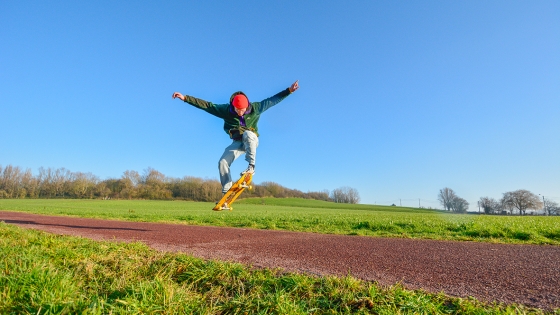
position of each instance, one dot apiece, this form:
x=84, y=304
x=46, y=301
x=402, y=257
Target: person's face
x=240, y=111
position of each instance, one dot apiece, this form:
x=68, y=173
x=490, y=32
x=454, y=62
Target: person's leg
x=231, y=153
x=250, y=144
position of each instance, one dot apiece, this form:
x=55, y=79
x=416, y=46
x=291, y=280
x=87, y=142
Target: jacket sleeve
x=211, y=108
x=264, y=105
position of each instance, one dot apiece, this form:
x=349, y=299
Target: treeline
x=512, y=202
x=151, y=184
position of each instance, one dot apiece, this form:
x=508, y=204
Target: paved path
x=525, y=274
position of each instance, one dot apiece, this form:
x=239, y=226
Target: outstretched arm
x=216, y=110
x=273, y=100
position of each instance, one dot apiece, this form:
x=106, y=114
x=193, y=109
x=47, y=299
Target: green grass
x=42, y=273
x=311, y=216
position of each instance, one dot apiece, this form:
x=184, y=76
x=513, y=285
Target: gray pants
x=248, y=145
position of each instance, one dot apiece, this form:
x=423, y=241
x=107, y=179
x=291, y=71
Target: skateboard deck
x=236, y=189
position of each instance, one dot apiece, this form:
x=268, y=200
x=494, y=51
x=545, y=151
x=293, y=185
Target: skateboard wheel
x=250, y=187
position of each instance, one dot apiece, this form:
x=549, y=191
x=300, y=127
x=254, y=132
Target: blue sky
x=397, y=99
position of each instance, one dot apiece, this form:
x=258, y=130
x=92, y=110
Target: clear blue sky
x=397, y=99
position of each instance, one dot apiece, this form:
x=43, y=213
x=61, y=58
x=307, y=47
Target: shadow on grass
x=22, y=222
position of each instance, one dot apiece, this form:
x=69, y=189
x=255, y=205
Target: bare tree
x=521, y=200
x=154, y=185
x=345, y=195
x=210, y=190
x=83, y=184
x=459, y=205
x=490, y=205
x=551, y=207
x=506, y=204
x=52, y=182
x=102, y=190
x=337, y=195
x=451, y=202
x=61, y=180
x=31, y=184
x=353, y=195
x=129, y=183
x=132, y=177
x=446, y=197
x=10, y=181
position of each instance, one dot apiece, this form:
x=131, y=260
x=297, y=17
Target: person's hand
x=178, y=95
x=294, y=86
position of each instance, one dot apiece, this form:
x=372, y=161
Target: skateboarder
x=240, y=122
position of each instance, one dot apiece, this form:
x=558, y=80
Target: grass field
x=41, y=273
x=311, y=216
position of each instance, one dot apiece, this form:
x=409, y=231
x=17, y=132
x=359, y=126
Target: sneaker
x=250, y=169
x=225, y=206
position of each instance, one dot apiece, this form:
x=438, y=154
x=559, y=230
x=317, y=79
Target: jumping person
x=240, y=122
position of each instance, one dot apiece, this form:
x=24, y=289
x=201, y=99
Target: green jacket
x=234, y=125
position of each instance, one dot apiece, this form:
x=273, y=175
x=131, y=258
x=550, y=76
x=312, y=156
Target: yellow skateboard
x=236, y=189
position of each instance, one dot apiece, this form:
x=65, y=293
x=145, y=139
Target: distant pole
x=478, y=206
x=400, y=202
x=544, y=210
x=419, y=203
